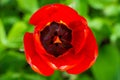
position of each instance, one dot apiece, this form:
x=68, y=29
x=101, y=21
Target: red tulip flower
x=61, y=41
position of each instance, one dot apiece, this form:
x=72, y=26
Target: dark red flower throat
x=56, y=38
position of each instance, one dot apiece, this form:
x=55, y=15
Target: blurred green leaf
x=100, y=28
x=27, y=17
x=116, y=33
x=67, y=2
x=3, y=40
x=112, y=10
x=9, y=21
x=56, y=76
x=34, y=77
x=10, y=75
x=11, y=60
x=117, y=43
x=107, y=63
x=28, y=5
x=3, y=2
x=45, y=2
x=81, y=6
x=83, y=77
x=96, y=23
x=15, y=36
x=97, y=4
x=101, y=4
x=72, y=77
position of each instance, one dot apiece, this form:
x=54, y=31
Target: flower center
x=56, y=38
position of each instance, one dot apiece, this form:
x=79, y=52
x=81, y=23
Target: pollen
x=57, y=40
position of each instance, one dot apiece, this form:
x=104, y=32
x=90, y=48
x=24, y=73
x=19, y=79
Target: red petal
x=89, y=55
x=35, y=61
x=55, y=12
x=79, y=35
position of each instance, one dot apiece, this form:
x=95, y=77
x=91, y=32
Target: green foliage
x=15, y=35
x=103, y=18
x=107, y=64
x=101, y=4
x=3, y=39
x=81, y=6
x=27, y=5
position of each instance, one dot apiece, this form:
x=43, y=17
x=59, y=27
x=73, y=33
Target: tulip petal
x=89, y=54
x=79, y=35
x=35, y=61
x=55, y=12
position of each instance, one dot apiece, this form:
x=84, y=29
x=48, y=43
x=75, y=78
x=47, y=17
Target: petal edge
x=35, y=61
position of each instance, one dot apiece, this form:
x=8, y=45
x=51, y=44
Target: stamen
x=57, y=39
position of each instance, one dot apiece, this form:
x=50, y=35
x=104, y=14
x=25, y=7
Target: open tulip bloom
x=61, y=41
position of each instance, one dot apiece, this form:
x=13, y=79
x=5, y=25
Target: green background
x=103, y=17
